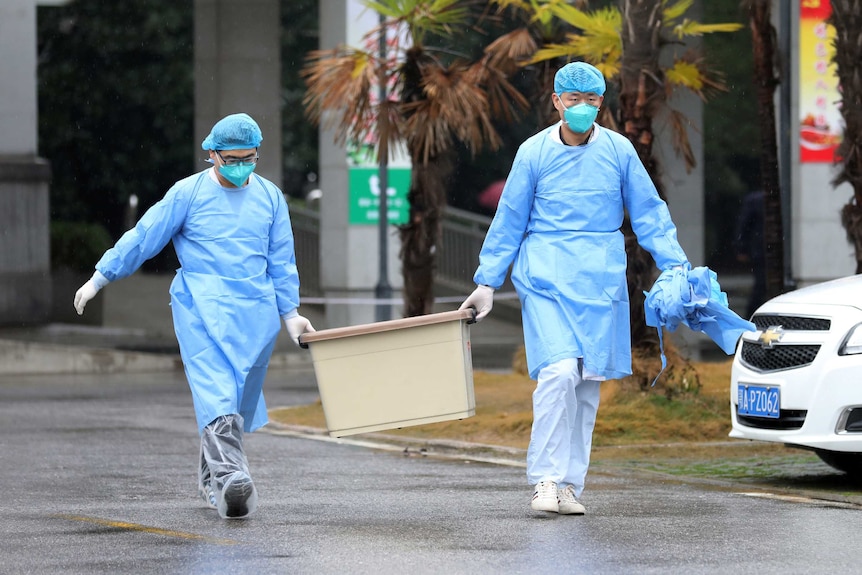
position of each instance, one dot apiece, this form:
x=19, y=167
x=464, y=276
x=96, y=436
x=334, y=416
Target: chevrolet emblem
x=769, y=337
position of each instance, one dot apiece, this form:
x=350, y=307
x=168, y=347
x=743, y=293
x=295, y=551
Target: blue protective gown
x=237, y=277
x=558, y=222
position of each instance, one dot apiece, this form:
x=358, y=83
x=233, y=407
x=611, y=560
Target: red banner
x=821, y=127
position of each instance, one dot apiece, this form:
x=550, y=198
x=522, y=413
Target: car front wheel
x=849, y=463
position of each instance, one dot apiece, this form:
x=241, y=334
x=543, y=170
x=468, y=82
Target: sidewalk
x=137, y=335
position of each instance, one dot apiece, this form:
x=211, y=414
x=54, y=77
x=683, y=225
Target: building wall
x=819, y=247
x=25, y=286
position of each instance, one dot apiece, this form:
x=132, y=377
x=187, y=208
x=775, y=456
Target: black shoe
x=239, y=497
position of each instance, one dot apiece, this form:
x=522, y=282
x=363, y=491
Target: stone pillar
x=238, y=69
x=25, y=276
x=349, y=252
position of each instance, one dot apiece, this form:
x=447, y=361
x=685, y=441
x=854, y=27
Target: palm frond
x=604, y=56
x=679, y=124
x=571, y=15
x=339, y=91
x=516, y=4
x=423, y=17
x=691, y=72
x=689, y=28
x=542, y=12
x=453, y=108
x=685, y=74
x=673, y=11
x=503, y=98
x=552, y=51
x=512, y=48
x=599, y=41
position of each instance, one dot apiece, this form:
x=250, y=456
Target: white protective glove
x=296, y=325
x=482, y=299
x=88, y=291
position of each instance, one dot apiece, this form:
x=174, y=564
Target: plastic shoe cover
x=224, y=464
x=238, y=498
x=545, y=497
x=569, y=504
x=205, y=482
x=208, y=495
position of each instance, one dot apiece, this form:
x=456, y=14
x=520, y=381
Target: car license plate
x=758, y=401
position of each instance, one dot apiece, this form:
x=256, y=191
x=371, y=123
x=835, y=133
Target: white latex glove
x=296, y=326
x=88, y=291
x=482, y=299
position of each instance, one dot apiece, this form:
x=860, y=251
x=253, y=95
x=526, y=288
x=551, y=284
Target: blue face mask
x=580, y=117
x=236, y=174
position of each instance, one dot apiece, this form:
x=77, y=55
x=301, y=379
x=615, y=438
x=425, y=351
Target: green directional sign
x=364, y=190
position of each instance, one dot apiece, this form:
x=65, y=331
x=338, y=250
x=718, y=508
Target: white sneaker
x=568, y=503
x=545, y=497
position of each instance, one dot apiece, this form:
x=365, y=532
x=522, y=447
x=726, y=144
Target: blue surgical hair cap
x=579, y=77
x=234, y=132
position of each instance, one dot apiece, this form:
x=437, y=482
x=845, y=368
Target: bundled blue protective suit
x=558, y=222
x=237, y=277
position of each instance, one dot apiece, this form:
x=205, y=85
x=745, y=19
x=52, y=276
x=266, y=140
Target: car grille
x=787, y=419
x=791, y=322
x=778, y=357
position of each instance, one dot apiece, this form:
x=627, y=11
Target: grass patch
x=626, y=417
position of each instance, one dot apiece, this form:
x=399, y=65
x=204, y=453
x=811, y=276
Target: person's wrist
x=99, y=279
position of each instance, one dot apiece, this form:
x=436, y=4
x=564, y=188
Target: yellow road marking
x=147, y=529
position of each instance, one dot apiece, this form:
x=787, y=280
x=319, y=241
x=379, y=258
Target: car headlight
x=852, y=343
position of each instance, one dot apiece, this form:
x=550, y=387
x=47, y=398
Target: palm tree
x=628, y=43
x=847, y=20
x=436, y=99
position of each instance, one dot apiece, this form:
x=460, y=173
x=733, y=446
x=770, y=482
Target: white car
x=797, y=380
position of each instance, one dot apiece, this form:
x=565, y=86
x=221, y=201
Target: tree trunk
x=421, y=234
x=427, y=200
x=847, y=20
x=641, y=93
x=763, y=41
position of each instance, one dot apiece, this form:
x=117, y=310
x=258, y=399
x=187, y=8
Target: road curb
x=501, y=455
x=29, y=358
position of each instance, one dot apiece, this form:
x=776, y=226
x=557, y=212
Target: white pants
x=564, y=415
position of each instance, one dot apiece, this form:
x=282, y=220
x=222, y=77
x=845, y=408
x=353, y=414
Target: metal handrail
x=462, y=234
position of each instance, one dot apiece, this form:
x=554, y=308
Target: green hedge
x=78, y=245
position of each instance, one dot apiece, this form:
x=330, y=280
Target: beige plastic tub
x=395, y=373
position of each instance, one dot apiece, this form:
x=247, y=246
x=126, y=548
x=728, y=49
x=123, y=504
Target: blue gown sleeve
x=149, y=236
x=281, y=259
x=504, y=237
x=648, y=213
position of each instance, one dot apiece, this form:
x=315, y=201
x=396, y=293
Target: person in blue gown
x=237, y=282
x=558, y=225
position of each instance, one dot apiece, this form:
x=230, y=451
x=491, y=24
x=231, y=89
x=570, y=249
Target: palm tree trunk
x=641, y=92
x=421, y=234
x=847, y=20
x=763, y=41
x=427, y=199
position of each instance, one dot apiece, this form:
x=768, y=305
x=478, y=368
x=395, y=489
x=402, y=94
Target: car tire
x=849, y=463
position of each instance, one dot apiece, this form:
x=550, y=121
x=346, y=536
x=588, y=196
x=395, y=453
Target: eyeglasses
x=247, y=161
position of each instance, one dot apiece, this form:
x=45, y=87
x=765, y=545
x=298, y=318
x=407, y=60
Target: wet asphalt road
x=98, y=476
